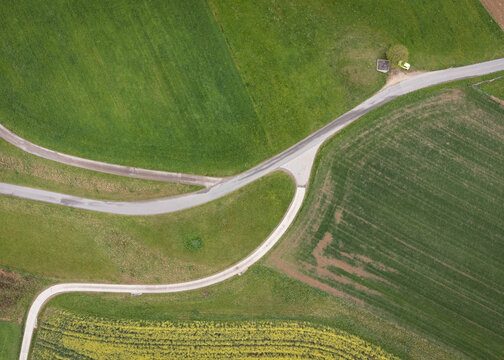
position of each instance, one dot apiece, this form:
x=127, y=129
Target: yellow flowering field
x=65, y=335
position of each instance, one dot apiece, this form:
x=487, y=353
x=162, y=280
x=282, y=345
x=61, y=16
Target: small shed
x=382, y=65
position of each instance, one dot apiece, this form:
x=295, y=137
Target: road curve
x=297, y=160
x=236, y=269
x=226, y=186
x=121, y=170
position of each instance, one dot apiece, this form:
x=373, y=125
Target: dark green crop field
x=405, y=216
x=211, y=88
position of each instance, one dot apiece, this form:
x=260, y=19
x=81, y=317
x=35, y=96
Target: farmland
x=89, y=246
x=405, y=217
x=397, y=252
x=20, y=168
x=211, y=88
x=16, y=293
x=67, y=334
x=259, y=294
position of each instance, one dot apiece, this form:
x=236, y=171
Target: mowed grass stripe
x=412, y=213
x=10, y=335
x=148, y=84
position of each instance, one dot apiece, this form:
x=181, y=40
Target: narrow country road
x=114, y=169
x=228, y=185
x=237, y=269
x=297, y=160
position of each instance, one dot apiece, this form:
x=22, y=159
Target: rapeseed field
x=67, y=335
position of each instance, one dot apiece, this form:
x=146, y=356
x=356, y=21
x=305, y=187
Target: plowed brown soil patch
x=327, y=274
x=290, y=270
x=324, y=261
x=496, y=9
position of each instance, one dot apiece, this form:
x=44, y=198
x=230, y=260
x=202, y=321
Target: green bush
x=396, y=53
x=193, y=242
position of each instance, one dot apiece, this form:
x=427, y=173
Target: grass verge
x=20, y=168
x=404, y=217
x=69, y=244
x=494, y=87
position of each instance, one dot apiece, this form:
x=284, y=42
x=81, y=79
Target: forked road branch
x=228, y=185
x=296, y=160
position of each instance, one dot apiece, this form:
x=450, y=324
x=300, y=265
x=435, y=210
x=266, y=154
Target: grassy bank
x=20, y=168
x=162, y=85
x=69, y=244
x=409, y=219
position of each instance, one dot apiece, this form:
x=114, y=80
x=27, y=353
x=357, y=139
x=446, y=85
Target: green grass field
x=260, y=293
x=148, y=84
x=10, y=340
x=162, y=84
x=20, y=168
x=305, y=62
x=68, y=244
x=405, y=216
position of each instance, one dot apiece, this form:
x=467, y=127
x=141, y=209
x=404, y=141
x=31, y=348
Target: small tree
x=396, y=53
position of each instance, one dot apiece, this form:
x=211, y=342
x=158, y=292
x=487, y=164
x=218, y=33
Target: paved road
x=105, y=167
x=237, y=269
x=297, y=160
x=167, y=205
